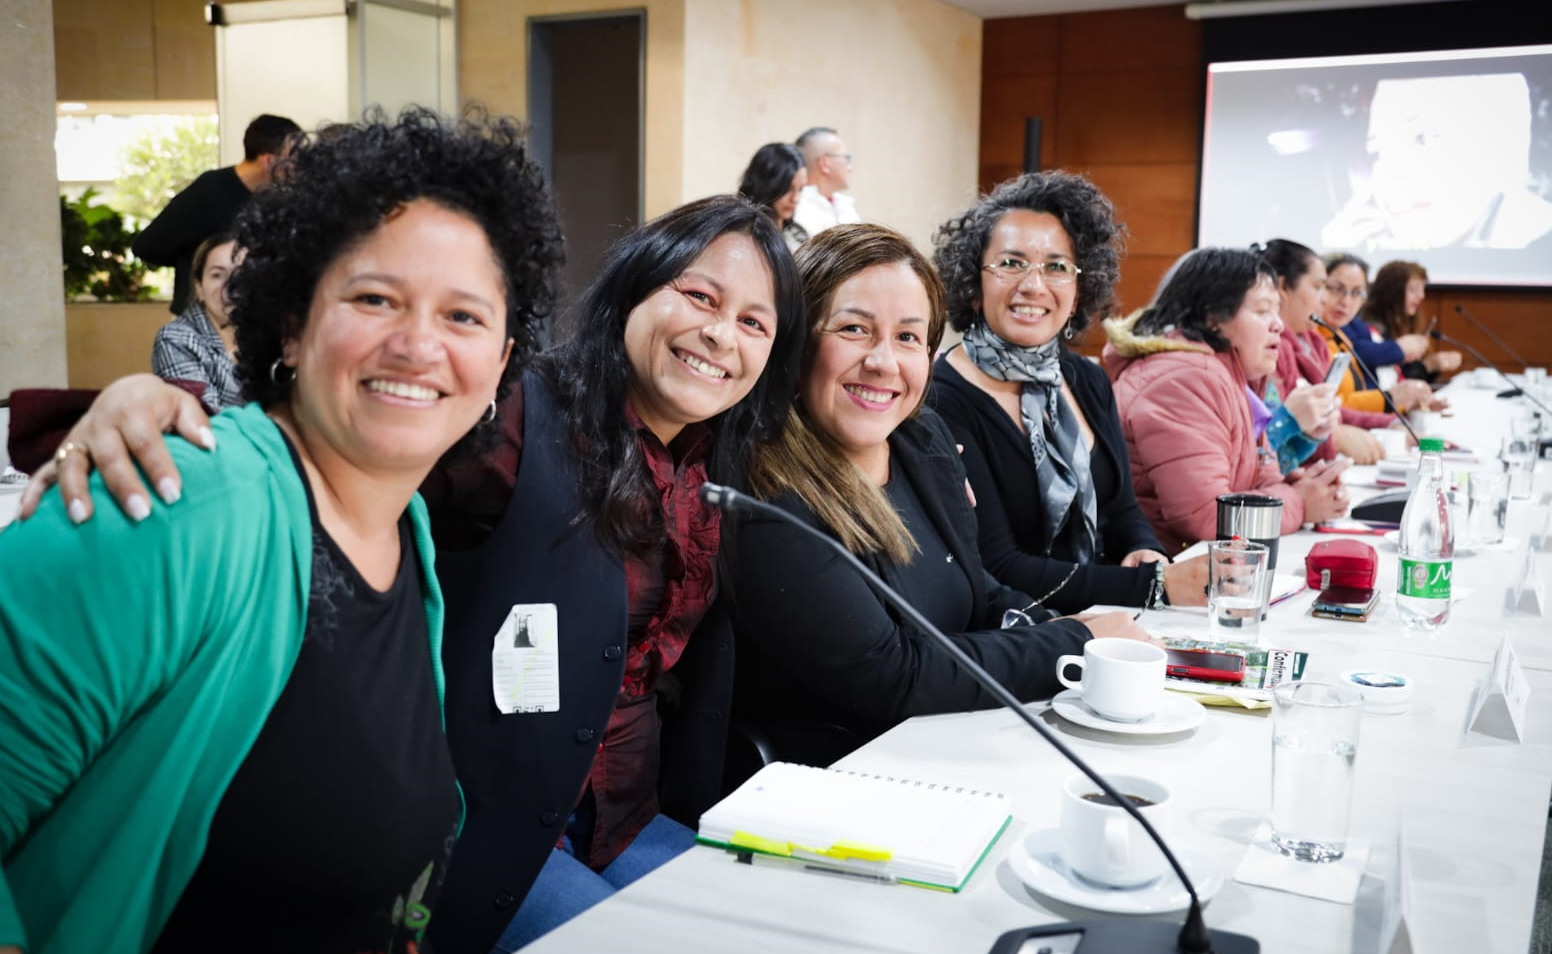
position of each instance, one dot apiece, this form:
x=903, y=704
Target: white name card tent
x=1527, y=595
x=1395, y=925
x=1498, y=708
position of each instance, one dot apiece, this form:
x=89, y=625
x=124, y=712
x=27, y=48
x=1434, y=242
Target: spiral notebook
x=922, y=833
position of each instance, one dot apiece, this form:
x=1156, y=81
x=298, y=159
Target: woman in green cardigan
x=224, y=730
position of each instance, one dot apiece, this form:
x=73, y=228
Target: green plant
x=95, y=247
x=158, y=163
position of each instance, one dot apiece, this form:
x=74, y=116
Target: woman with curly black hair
x=234, y=706
x=1029, y=266
x=773, y=180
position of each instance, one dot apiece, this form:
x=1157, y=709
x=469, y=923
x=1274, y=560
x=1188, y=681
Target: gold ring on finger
x=68, y=448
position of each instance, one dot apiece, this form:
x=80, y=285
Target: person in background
x=198, y=345
x=233, y=707
x=1392, y=311
x=1188, y=372
x=861, y=460
x=1303, y=358
x=823, y=202
x=582, y=523
x=773, y=181
x=1027, y=268
x=1347, y=287
x=211, y=202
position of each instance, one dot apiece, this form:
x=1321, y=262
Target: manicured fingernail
x=207, y=439
x=137, y=507
x=168, y=489
x=77, y=510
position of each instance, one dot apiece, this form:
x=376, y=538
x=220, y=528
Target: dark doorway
x=585, y=104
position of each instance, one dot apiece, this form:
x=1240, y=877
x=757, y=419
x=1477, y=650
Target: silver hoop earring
x=275, y=376
x=490, y=414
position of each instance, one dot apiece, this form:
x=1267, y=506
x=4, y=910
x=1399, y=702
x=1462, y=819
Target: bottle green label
x=1426, y=579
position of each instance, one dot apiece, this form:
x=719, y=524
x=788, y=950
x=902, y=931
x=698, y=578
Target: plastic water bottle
x=1427, y=544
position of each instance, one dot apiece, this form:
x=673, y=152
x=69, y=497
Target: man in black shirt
x=210, y=203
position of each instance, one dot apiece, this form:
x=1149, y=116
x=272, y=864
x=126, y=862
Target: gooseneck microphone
x=1461, y=311
x=1342, y=342
x=1438, y=335
x=1115, y=936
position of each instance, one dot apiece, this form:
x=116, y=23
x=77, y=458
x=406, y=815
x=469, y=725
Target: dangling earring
x=1067, y=331
x=490, y=414
x=275, y=375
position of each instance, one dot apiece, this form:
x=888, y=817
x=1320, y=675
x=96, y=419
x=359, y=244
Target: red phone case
x=1204, y=672
x=1345, y=563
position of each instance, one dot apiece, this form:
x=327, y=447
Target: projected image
x=1447, y=161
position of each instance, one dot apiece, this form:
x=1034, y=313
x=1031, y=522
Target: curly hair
x=341, y=183
x=591, y=372
x=1098, y=242
x=1386, y=305
x=769, y=175
x=1203, y=290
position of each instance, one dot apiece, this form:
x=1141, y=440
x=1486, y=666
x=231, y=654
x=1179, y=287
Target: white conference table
x=1474, y=806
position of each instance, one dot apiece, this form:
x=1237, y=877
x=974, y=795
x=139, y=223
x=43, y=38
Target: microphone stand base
x=1118, y=936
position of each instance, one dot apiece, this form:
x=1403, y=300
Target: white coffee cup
x=1101, y=842
x=1123, y=679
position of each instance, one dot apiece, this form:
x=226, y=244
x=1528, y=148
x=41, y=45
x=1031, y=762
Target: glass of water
x=1519, y=461
x=1314, y=744
x=1488, y=516
x=1236, y=571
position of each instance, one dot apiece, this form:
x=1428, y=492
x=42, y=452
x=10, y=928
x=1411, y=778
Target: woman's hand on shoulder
x=124, y=426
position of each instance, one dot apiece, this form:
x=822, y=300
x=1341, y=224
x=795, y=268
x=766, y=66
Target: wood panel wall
x=1120, y=97
x=133, y=50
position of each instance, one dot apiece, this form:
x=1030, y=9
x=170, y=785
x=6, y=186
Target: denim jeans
x=566, y=887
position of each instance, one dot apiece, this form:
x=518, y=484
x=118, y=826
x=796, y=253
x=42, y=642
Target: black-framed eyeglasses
x=1053, y=272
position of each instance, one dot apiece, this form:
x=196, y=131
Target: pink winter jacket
x=1189, y=434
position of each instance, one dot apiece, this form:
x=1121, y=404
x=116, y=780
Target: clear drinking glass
x=1519, y=461
x=1487, y=519
x=1314, y=745
x=1236, y=570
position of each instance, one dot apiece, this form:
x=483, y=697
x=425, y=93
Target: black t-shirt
x=936, y=582
x=335, y=833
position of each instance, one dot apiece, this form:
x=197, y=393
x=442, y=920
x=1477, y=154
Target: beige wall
x=900, y=80
x=32, y=316
x=134, y=49
x=493, y=70
x=106, y=341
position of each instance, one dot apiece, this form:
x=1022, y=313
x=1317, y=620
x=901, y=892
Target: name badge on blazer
x=525, y=660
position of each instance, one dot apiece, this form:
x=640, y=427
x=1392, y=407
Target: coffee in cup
x=1101, y=843
x=1123, y=679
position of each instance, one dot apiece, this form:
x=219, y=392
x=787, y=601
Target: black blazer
x=816, y=643
x=1010, y=511
x=521, y=774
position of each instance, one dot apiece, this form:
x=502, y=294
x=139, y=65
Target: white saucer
x=1176, y=713
x=1393, y=538
x=1037, y=861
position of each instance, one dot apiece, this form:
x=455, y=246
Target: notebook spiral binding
x=918, y=783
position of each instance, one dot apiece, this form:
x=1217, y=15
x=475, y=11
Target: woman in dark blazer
x=1030, y=265
x=859, y=459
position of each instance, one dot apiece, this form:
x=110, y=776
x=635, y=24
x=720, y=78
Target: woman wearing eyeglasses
x=1027, y=267
x=1347, y=286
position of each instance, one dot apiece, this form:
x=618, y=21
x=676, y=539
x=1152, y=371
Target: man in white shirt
x=821, y=204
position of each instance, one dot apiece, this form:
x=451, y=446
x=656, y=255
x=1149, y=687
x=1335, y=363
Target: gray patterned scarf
x=1061, y=456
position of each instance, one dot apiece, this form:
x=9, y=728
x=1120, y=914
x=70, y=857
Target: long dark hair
x=590, y=371
x=1202, y=291
x=769, y=175
x=1386, y=304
